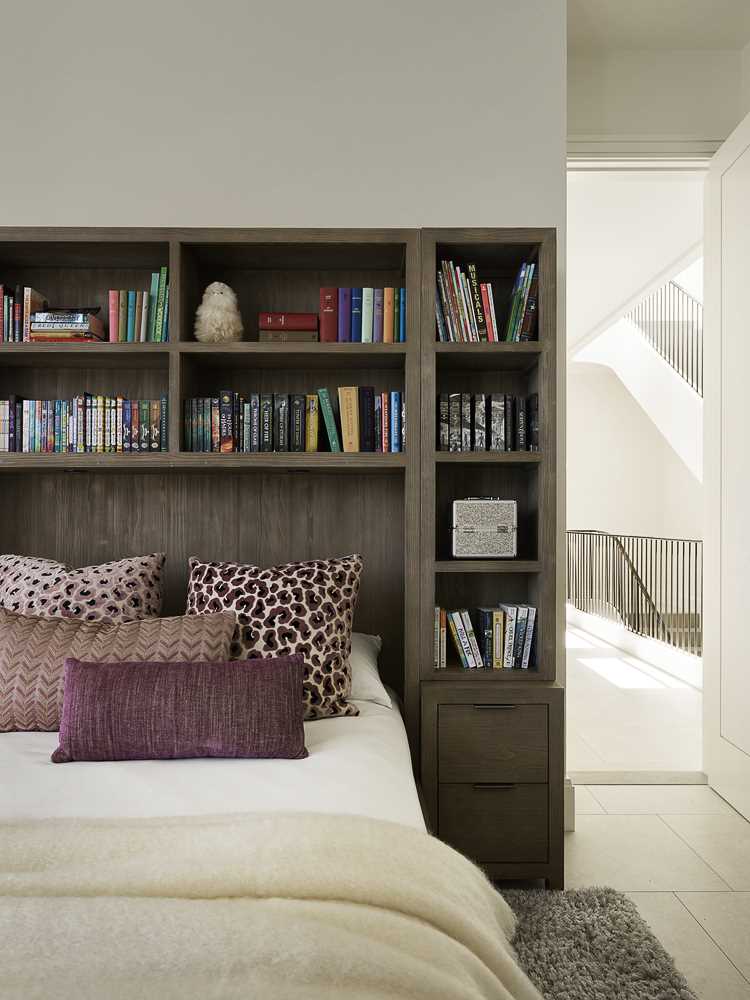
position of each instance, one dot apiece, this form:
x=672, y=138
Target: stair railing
x=671, y=320
x=652, y=586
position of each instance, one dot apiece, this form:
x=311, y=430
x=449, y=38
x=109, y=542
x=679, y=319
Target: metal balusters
x=672, y=322
x=653, y=586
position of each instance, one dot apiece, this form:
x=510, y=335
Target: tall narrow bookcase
x=492, y=739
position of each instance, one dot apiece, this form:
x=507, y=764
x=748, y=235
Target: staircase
x=672, y=322
x=656, y=350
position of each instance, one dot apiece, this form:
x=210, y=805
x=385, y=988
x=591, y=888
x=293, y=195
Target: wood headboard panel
x=261, y=517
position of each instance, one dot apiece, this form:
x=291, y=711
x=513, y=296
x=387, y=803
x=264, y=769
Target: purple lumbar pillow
x=160, y=711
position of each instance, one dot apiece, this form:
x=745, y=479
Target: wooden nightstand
x=493, y=774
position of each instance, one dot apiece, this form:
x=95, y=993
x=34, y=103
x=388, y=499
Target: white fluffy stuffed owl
x=218, y=319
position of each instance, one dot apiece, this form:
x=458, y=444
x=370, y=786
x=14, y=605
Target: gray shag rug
x=591, y=944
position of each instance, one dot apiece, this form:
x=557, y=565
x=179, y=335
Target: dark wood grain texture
x=271, y=508
x=500, y=741
x=462, y=759
x=491, y=823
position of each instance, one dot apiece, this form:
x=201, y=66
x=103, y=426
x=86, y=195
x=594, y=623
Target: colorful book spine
x=345, y=315
x=395, y=421
x=130, y=336
x=402, y=316
x=161, y=296
x=356, y=315
x=368, y=297
x=153, y=299
x=377, y=316
x=329, y=312
x=388, y=299
x=114, y=315
x=122, y=319
x=329, y=420
x=311, y=422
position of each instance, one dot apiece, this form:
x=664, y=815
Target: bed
x=273, y=879
x=358, y=765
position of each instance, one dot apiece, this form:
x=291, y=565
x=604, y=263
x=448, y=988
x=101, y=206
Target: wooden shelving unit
x=265, y=507
x=491, y=740
x=270, y=508
x=528, y=477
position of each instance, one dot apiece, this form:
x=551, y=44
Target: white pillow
x=366, y=682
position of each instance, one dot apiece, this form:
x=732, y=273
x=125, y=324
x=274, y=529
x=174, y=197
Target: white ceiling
x=625, y=228
x=594, y=25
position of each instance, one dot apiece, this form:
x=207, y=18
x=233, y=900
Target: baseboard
x=637, y=778
x=569, y=806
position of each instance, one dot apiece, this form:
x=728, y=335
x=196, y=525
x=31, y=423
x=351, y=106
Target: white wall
x=325, y=113
x=657, y=93
x=745, y=80
x=626, y=232
x=622, y=476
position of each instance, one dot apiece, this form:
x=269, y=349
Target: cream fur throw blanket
x=264, y=906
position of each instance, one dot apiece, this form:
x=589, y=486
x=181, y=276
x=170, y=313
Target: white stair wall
x=673, y=406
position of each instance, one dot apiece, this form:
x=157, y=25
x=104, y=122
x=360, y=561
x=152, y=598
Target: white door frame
x=725, y=604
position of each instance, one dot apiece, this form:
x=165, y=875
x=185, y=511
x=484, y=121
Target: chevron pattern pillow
x=33, y=651
x=124, y=590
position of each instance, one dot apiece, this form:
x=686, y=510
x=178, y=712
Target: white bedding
x=360, y=766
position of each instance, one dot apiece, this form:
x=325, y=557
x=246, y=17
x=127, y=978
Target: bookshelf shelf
x=488, y=457
x=456, y=674
x=488, y=357
x=491, y=566
x=85, y=355
x=287, y=461
x=249, y=354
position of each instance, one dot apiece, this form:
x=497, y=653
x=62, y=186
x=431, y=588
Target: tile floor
x=624, y=715
x=682, y=855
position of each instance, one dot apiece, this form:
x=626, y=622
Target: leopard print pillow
x=120, y=591
x=302, y=607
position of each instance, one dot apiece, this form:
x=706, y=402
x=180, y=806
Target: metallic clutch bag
x=484, y=528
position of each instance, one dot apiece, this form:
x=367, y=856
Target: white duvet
x=359, y=766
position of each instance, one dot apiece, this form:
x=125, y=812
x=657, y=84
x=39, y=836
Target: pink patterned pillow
x=124, y=590
x=301, y=607
x=33, y=651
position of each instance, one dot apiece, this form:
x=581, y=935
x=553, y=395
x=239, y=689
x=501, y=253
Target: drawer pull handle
x=493, y=785
x=496, y=708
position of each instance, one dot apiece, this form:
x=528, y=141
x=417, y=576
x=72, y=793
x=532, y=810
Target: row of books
x=363, y=315
x=19, y=303
x=141, y=316
x=499, y=638
x=465, y=306
x=355, y=419
x=85, y=423
x=495, y=422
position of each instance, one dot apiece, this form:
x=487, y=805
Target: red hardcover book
x=329, y=315
x=491, y=331
x=289, y=320
x=114, y=314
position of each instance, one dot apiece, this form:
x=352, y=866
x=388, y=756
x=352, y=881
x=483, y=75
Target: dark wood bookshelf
x=264, y=508
x=269, y=508
x=474, y=733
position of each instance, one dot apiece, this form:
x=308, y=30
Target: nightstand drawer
x=493, y=823
x=500, y=742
